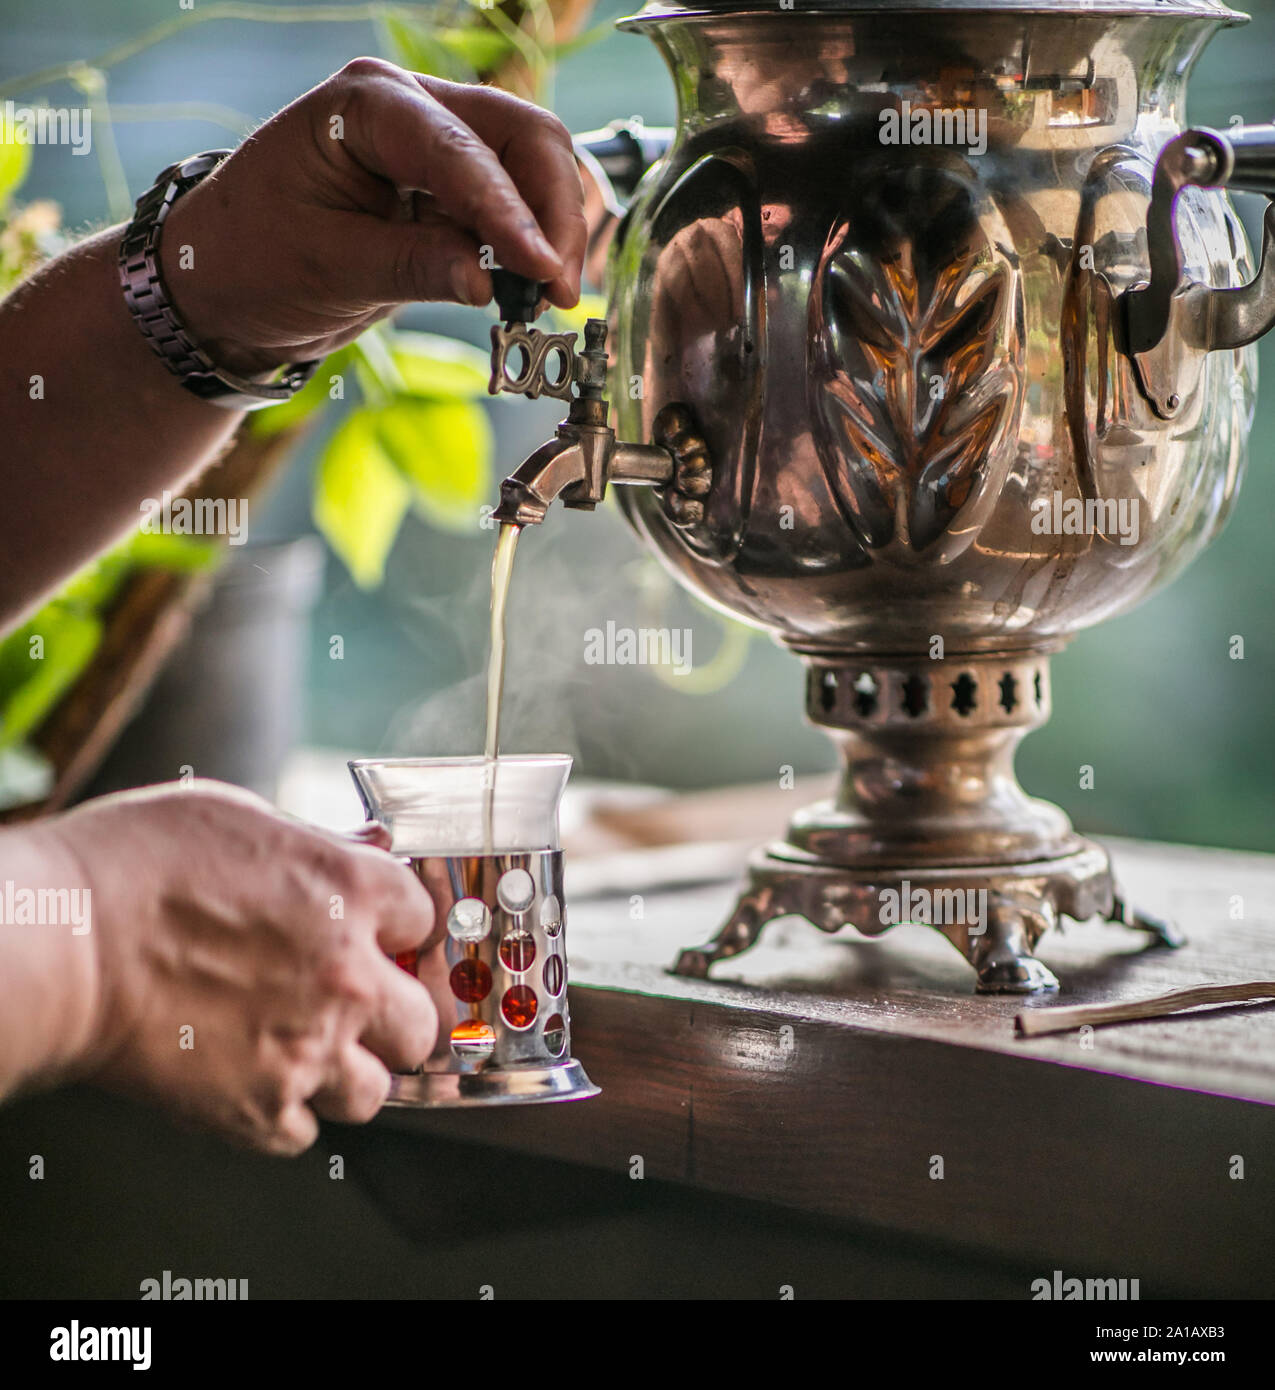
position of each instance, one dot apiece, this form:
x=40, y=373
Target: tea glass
x=482, y=837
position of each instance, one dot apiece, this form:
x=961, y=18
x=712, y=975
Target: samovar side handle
x=1199, y=316
x=612, y=163
x=622, y=152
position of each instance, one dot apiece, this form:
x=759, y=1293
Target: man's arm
x=376, y=188
x=92, y=421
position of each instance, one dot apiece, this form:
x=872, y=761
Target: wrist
x=111, y=982
x=49, y=943
x=198, y=288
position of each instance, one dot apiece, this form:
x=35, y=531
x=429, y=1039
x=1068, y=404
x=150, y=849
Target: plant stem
x=210, y=112
x=92, y=82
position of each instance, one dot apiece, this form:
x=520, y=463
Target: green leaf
x=480, y=46
x=15, y=160
x=420, y=50
x=90, y=589
x=443, y=449
x=312, y=397
x=166, y=551
x=31, y=686
x=70, y=626
x=379, y=377
x=360, y=498
x=440, y=368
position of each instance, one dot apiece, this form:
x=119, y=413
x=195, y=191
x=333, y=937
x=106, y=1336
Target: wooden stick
x=1034, y=1022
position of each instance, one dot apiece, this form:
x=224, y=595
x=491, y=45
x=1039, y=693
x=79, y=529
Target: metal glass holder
x=508, y=1039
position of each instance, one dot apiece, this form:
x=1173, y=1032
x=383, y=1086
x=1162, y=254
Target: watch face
x=199, y=164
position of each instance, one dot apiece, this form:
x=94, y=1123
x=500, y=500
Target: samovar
x=931, y=342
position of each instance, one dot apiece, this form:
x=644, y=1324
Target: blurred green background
x=1179, y=734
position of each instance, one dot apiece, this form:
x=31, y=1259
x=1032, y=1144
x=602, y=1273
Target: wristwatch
x=152, y=309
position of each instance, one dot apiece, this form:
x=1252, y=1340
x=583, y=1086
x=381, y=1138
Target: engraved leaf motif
x=911, y=383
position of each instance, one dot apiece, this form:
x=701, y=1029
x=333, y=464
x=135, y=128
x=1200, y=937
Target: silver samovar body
x=937, y=313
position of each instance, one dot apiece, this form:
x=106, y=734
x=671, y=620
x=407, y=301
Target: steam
x=553, y=701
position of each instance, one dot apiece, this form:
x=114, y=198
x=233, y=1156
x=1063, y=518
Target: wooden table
x=839, y=1076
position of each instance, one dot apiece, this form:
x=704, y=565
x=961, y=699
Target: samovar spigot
x=584, y=455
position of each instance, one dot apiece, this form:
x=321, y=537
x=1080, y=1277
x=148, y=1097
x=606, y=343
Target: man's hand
x=241, y=969
x=377, y=187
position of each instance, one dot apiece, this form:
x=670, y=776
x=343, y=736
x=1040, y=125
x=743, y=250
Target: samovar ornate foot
x=993, y=915
x=1002, y=955
x=1161, y=928
x=740, y=931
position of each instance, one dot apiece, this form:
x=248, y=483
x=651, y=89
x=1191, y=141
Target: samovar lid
x=1169, y=9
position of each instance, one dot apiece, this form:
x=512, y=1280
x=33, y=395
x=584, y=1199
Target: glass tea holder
x=482, y=837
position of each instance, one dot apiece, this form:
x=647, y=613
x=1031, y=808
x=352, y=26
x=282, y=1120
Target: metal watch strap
x=148, y=301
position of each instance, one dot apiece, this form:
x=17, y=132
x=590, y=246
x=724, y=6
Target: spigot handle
x=524, y=360
x=516, y=296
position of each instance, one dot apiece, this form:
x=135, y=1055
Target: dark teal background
x=1179, y=734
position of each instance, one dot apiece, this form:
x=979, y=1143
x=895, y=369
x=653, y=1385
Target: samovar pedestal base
x=930, y=824
x=994, y=915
